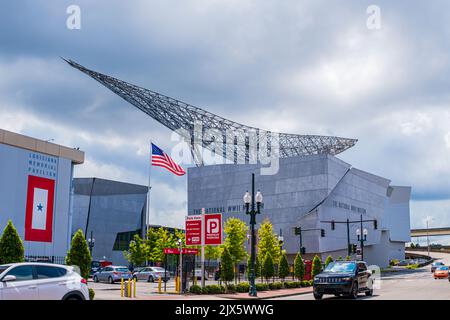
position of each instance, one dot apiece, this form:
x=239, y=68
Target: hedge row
x=245, y=287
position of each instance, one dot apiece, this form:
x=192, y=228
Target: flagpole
x=147, y=213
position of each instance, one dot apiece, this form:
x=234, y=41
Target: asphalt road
x=416, y=285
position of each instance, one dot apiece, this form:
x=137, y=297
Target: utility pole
x=348, y=222
x=298, y=232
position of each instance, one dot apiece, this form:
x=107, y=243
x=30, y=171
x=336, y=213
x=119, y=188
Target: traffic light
x=332, y=225
x=375, y=224
x=297, y=231
x=354, y=248
x=302, y=250
x=322, y=233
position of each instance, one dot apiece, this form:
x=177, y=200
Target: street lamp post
x=249, y=201
x=361, y=238
x=281, y=241
x=180, y=246
x=91, y=243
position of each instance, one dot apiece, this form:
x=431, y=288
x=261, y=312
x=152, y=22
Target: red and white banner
x=213, y=229
x=39, y=210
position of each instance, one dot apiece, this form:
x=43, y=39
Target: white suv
x=41, y=281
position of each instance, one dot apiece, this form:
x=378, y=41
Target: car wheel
x=73, y=298
x=110, y=280
x=354, y=292
x=150, y=279
x=95, y=279
x=369, y=292
x=317, y=296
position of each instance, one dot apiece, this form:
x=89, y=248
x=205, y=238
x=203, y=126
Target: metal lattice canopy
x=176, y=115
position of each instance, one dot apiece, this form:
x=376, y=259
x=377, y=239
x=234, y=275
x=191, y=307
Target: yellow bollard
x=121, y=287
x=129, y=288
x=134, y=287
x=177, y=284
x=195, y=280
x=159, y=285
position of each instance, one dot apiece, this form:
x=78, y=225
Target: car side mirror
x=9, y=278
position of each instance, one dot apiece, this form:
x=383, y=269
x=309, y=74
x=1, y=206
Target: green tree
x=235, y=235
x=137, y=251
x=316, y=266
x=328, y=260
x=339, y=258
x=211, y=253
x=227, y=266
x=162, y=239
x=348, y=258
x=283, y=267
x=268, y=241
x=257, y=267
x=11, y=246
x=79, y=254
x=268, y=267
x=299, y=267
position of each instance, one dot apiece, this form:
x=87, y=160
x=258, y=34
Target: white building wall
x=14, y=171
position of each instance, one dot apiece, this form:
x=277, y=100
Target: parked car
x=112, y=274
x=151, y=274
x=41, y=281
x=198, y=274
x=343, y=278
x=441, y=272
x=435, y=265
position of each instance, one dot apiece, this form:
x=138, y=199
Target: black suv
x=344, y=278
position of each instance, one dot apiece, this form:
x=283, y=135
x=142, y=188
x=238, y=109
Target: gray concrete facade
x=112, y=211
x=306, y=191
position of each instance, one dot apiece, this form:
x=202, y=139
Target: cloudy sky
x=311, y=67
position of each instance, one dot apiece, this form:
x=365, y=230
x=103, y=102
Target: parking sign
x=194, y=230
x=213, y=229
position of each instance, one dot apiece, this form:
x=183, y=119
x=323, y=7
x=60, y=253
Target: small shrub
x=91, y=294
x=304, y=283
x=275, y=285
x=243, y=287
x=213, y=289
x=262, y=287
x=195, y=289
x=231, y=288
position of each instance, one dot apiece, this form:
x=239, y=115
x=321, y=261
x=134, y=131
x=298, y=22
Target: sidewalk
x=115, y=295
x=268, y=294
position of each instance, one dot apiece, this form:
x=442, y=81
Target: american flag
x=161, y=159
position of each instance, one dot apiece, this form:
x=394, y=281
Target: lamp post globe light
x=281, y=241
x=249, y=201
x=91, y=243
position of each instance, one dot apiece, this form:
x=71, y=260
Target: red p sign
x=213, y=228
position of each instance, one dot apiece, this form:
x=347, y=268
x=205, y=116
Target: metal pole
x=362, y=240
x=428, y=240
x=165, y=272
x=253, y=253
x=301, y=240
x=349, y=252
x=203, y=248
x=89, y=207
x=181, y=267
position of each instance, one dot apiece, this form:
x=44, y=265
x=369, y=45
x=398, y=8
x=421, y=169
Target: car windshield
x=3, y=268
x=345, y=267
x=438, y=263
x=443, y=268
x=158, y=269
x=121, y=269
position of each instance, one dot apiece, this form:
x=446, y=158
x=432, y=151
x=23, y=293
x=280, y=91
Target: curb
x=271, y=297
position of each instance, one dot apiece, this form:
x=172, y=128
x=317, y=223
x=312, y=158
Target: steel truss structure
x=184, y=118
